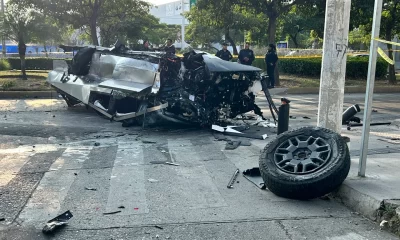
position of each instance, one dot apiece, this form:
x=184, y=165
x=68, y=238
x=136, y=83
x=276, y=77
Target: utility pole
x=334, y=59
x=3, y=37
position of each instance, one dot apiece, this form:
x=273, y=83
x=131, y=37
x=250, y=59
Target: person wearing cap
x=246, y=55
x=271, y=58
x=224, y=53
x=169, y=48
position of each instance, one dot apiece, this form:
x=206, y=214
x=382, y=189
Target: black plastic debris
x=121, y=207
x=57, y=222
x=148, y=142
x=90, y=189
x=306, y=117
x=2, y=219
x=97, y=144
x=156, y=226
x=110, y=213
x=252, y=172
x=254, y=176
x=231, y=145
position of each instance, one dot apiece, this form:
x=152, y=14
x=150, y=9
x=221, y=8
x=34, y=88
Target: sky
x=158, y=2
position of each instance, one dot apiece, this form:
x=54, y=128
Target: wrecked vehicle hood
x=215, y=64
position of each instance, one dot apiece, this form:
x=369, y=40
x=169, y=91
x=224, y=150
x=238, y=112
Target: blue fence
x=31, y=49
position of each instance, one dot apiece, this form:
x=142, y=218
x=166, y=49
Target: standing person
x=271, y=58
x=224, y=53
x=169, y=48
x=246, y=55
x=146, y=45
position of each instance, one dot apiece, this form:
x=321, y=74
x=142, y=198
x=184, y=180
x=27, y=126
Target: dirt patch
x=388, y=215
x=12, y=81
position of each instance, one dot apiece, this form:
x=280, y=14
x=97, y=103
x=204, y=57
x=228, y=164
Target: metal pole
x=376, y=25
x=3, y=38
x=183, y=25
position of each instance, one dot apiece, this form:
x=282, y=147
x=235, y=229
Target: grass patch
x=12, y=81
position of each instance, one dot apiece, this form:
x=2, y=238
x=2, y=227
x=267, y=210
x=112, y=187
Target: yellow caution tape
x=384, y=56
x=388, y=42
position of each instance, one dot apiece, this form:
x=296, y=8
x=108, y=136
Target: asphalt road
x=48, y=161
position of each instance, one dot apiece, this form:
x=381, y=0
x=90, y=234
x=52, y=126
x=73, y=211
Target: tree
x=362, y=13
x=360, y=37
x=220, y=15
x=93, y=14
x=161, y=32
x=273, y=9
x=21, y=24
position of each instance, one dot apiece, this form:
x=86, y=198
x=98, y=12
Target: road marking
x=11, y=164
x=46, y=201
x=192, y=182
x=127, y=182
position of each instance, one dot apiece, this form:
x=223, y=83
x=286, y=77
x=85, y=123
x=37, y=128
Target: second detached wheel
x=305, y=163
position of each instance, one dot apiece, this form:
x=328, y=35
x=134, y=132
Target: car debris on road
x=57, y=222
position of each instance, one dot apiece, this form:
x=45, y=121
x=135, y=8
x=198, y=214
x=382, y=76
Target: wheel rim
x=302, y=154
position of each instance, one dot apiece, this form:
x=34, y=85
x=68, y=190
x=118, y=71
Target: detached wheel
x=305, y=163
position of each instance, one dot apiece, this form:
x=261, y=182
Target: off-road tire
x=327, y=176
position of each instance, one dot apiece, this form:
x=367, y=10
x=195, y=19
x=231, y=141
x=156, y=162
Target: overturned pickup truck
x=125, y=85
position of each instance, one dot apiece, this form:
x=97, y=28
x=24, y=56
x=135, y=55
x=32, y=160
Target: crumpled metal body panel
x=215, y=64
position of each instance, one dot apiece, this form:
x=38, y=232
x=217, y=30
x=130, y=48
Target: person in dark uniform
x=146, y=45
x=246, y=55
x=169, y=48
x=224, y=53
x=271, y=58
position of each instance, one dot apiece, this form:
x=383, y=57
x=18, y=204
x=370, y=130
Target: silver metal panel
x=126, y=86
x=123, y=68
x=75, y=87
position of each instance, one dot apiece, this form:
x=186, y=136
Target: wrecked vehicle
x=133, y=86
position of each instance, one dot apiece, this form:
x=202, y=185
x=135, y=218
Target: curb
x=358, y=201
x=27, y=94
x=315, y=90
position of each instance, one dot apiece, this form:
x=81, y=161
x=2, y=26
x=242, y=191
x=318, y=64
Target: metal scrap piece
x=57, y=222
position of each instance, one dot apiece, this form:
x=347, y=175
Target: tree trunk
x=230, y=40
x=22, y=51
x=272, y=28
x=45, y=49
x=93, y=33
x=392, y=71
x=294, y=39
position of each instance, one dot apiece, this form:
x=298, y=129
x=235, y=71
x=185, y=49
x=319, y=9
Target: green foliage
x=4, y=65
x=299, y=22
x=125, y=19
x=161, y=32
x=8, y=84
x=359, y=36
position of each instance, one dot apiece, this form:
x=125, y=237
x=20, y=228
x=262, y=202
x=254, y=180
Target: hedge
x=33, y=63
x=357, y=67
x=4, y=65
